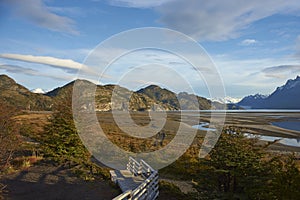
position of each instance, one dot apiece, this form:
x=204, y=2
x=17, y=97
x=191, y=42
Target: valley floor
x=44, y=181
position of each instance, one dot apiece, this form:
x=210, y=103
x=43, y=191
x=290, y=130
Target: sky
x=254, y=46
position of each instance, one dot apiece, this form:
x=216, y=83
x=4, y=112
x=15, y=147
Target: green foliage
x=163, y=185
x=237, y=162
x=285, y=183
x=171, y=191
x=185, y=168
x=237, y=168
x=63, y=145
x=61, y=141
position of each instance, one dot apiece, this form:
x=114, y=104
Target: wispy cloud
x=248, y=42
x=281, y=70
x=38, y=13
x=255, y=75
x=67, y=65
x=139, y=3
x=218, y=19
x=15, y=69
x=275, y=73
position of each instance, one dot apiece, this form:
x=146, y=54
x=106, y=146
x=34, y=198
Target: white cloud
x=36, y=12
x=139, y=3
x=15, y=69
x=65, y=64
x=249, y=76
x=218, y=19
x=281, y=71
x=248, y=42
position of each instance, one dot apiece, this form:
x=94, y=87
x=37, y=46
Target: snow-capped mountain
x=252, y=101
x=227, y=100
x=284, y=97
x=290, y=84
x=38, y=91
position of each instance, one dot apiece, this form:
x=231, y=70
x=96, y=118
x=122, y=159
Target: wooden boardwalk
x=126, y=180
x=138, y=181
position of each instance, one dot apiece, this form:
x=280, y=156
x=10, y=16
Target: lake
x=292, y=125
x=258, y=123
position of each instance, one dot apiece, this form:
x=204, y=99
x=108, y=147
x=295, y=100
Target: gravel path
x=49, y=182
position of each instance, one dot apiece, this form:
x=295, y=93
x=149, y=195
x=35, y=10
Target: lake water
x=203, y=126
x=294, y=142
x=292, y=125
x=290, y=120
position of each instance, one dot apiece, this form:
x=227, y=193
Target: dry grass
x=256, y=123
x=32, y=124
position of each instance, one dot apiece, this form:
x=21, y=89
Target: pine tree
x=62, y=142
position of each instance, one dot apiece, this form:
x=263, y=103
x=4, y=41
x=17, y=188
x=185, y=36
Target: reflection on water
x=204, y=126
x=295, y=142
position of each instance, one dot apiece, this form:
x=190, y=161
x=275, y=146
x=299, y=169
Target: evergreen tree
x=62, y=142
x=238, y=168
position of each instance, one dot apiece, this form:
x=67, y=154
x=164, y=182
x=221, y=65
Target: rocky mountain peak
x=290, y=84
x=6, y=81
x=284, y=97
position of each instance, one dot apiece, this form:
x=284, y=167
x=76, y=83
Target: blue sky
x=255, y=45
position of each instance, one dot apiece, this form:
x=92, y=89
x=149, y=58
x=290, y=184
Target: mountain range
x=284, y=97
x=149, y=98
x=226, y=100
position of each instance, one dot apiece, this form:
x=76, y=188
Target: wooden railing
x=148, y=189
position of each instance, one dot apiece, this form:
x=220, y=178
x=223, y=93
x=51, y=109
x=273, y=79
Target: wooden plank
x=139, y=181
x=124, y=195
x=126, y=180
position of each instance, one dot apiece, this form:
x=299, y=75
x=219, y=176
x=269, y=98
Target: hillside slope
x=20, y=97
